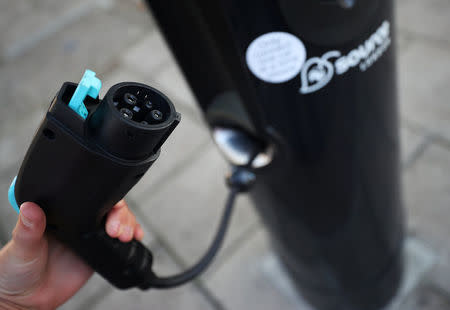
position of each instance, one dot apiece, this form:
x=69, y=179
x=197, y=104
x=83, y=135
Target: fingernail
x=113, y=227
x=23, y=217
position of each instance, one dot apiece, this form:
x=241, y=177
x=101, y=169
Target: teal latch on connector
x=89, y=86
x=12, y=196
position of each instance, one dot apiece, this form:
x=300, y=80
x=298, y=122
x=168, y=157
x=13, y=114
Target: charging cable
x=240, y=180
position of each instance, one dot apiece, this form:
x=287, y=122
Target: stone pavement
x=45, y=43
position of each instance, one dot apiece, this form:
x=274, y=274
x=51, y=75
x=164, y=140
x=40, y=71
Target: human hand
x=39, y=272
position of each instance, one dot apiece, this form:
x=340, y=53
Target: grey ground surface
x=44, y=43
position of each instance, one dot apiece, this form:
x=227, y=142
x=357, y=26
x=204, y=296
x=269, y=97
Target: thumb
x=23, y=259
x=28, y=235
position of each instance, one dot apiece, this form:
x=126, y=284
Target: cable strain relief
x=241, y=179
x=150, y=279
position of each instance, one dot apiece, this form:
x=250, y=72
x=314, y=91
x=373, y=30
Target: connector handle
x=125, y=265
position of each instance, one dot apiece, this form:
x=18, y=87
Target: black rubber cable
x=197, y=269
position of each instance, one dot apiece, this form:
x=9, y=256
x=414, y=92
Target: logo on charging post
x=278, y=57
x=318, y=71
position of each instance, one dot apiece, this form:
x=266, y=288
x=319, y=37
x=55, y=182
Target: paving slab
x=152, y=57
x=172, y=82
x=426, y=298
x=251, y=279
x=403, y=41
x=133, y=12
x=184, y=297
x=187, y=210
x=27, y=23
x=424, y=91
x=149, y=55
x=94, y=41
x=427, y=197
x=439, y=276
x=23, y=22
x=16, y=138
x=433, y=15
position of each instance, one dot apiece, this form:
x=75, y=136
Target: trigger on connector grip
x=124, y=265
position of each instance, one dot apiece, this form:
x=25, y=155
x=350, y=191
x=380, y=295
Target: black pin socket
x=132, y=121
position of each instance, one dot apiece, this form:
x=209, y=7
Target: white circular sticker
x=276, y=57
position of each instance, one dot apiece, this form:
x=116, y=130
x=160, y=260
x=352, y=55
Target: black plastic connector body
x=77, y=170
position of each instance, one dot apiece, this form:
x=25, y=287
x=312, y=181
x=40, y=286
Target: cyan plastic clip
x=89, y=86
x=12, y=196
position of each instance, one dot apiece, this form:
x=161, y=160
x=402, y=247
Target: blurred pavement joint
x=417, y=152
